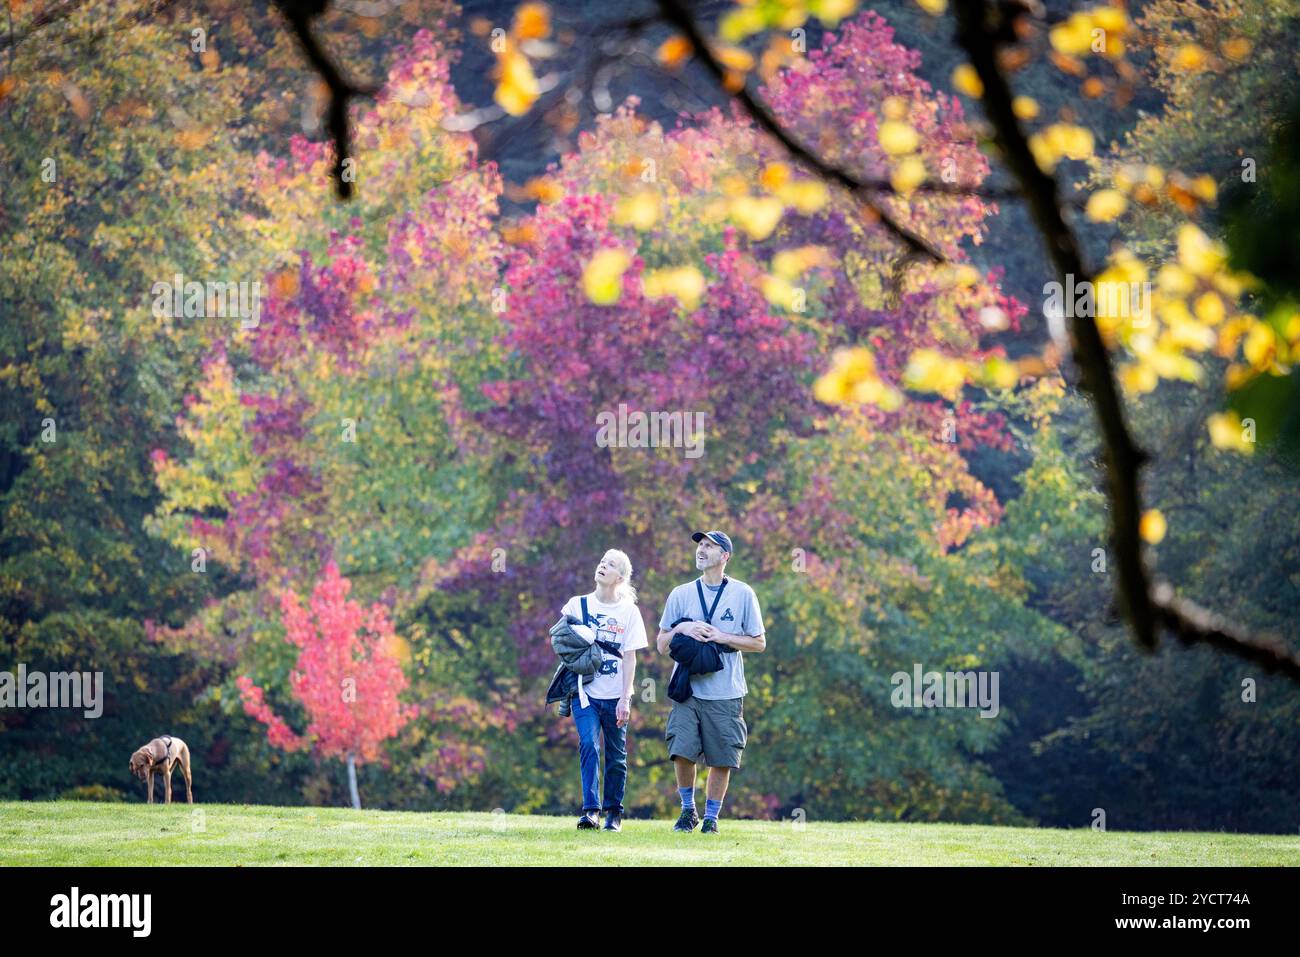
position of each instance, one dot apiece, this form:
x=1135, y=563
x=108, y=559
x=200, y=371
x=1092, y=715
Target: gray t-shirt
x=737, y=614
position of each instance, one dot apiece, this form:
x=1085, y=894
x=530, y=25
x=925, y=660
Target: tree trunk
x=352, y=782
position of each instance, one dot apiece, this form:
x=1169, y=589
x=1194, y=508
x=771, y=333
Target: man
x=709, y=727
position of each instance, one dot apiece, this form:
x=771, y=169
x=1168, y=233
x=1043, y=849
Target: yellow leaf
x=1044, y=155
x=831, y=12
x=1025, y=107
x=1000, y=373
x=778, y=291
x=1073, y=37
x=931, y=371
x=602, y=280
x=805, y=195
x=674, y=51
x=734, y=58
x=1138, y=378
x=933, y=7
x=1197, y=253
x=1226, y=432
x=1209, y=308
x=741, y=22
x=852, y=378
x=1075, y=142
x=1152, y=527
x=961, y=275
x=774, y=176
x=640, y=210
x=908, y=174
x=756, y=215
x=792, y=263
x=517, y=89
x=1110, y=19
x=966, y=80
x=1187, y=58
x=1205, y=189
x=897, y=138
x=1174, y=280
x=1260, y=345
x=685, y=282
x=532, y=21
x=831, y=388
x=1105, y=205
x=544, y=189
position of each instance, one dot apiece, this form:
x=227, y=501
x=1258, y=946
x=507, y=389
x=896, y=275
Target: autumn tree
x=347, y=679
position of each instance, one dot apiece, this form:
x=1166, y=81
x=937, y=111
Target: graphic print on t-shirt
x=608, y=628
x=618, y=625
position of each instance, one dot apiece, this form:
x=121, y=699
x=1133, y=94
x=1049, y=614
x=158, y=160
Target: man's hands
x=699, y=630
x=623, y=712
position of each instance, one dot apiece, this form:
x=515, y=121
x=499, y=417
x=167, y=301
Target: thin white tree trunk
x=352, y=782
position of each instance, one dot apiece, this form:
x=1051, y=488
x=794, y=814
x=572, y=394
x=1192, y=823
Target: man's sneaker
x=613, y=822
x=687, y=821
x=710, y=826
x=589, y=821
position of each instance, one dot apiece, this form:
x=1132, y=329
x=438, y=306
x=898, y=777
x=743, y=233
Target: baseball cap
x=718, y=538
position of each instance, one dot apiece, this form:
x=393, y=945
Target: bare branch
x=300, y=14
x=1191, y=624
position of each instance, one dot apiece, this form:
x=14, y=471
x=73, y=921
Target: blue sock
x=712, y=808
x=688, y=798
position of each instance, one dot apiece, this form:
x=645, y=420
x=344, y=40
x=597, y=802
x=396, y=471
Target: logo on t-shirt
x=728, y=616
x=608, y=628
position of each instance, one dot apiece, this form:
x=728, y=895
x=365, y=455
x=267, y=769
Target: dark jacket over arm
x=693, y=658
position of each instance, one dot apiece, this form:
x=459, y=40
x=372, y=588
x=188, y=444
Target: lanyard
x=707, y=609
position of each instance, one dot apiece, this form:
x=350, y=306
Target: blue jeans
x=600, y=715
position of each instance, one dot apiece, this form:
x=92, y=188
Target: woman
x=612, y=617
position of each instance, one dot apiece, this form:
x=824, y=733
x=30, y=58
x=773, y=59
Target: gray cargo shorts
x=711, y=733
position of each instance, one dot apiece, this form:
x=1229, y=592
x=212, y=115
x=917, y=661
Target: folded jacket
x=693, y=658
x=580, y=656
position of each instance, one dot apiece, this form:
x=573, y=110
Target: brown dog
x=160, y=756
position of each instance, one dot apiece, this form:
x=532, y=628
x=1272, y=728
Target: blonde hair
x=624, y=566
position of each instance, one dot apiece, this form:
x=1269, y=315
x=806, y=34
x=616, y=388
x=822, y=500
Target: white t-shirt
x=618, y=624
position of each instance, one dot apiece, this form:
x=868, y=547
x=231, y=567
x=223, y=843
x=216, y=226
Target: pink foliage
x=347, y=678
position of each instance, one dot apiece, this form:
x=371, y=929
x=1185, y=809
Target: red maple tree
x=347, y=678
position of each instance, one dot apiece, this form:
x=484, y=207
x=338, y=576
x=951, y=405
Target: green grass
x=83, y=833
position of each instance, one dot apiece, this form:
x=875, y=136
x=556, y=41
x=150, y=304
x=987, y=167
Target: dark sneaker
x=710, y=826
x=589, y=821
x=687, y=822
x=613, y=822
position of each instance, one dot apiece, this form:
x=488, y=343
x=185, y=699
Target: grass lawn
x=85, y=833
